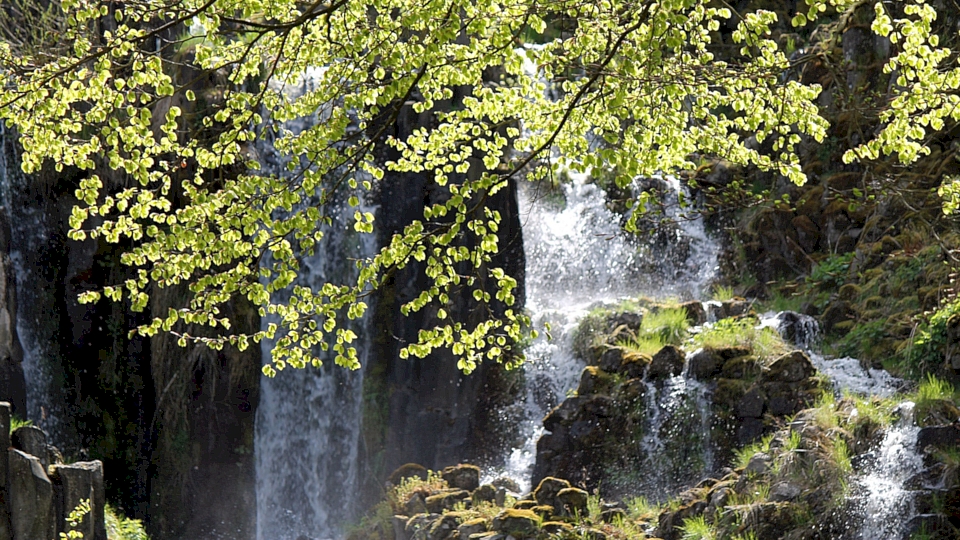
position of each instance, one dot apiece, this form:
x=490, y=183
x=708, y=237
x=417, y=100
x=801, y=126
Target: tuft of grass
x=722, y=294
x=670, y=324
x=743, y=332
x=17, y=423
x=120, y=527
x=641, y=508
x=935, y=401
x=697, y=528
x=742, y=455
x=648, y=345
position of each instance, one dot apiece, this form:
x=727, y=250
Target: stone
x=462, y=477
x=419, y=524
x=704, y=364
x=405, y=471
x=471, y=527
x=610, y=360
x=399, y=527
x=547, y=490
x=741, y=367
x=563, y=413
x=791, y=367
x=555, y=527
x=941, y=437
x=592, y=380
x=696, y=315
x=31, y=498
x=484, y=493
x=415, y=504
x=32, y=440
x=517, y=523
x=445, y=501
x=758, y=464
x=73, y=483
x=76, y=482
x=573, y=501
x=784, y=492
x=727, y=353
x=668, y=362
x=443, y=527
x=751, y=404
x=506, y=483
x=634, y=365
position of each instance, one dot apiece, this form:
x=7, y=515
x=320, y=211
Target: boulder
x=758, y=464
x=695, y=312
x=611, y=359
x=462, y=477
x=940, y=437
x=547, y=490
x=445, y=501
x=784, y=491
x=472, y=526
x=73, y=483
x=407, y=470
x=751, y=404
x=484, y=493
x=791, y=367
x=31, y=498
x=517, y=523
x=668, y=362
x=32, y=440
x=704, y=364
x=563, y=413
x=399, y=527
x=613, y=515
x=573, y=501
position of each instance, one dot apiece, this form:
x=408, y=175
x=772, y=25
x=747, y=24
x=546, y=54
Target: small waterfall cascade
x=307, y=435
x=675, y=447
x=884, y=501
x=30, y=243
x=578, y=258
x=880, y=493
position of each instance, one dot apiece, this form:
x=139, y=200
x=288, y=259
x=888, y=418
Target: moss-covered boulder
x=462, y=476
x=517, y=523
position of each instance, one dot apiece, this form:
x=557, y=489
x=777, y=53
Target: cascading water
x=307, y=435
x=30, y=243
x=879, y=495
x=578, y=258
x=883, y=499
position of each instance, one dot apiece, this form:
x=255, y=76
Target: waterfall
x=578, y=258
x=884, y=501
x=308, y=424
x=31, y=248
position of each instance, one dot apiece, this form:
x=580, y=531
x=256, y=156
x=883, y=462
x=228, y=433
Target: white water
x=885, y=504
x=307, y=435
x=879, y=495
x=29, y=234
x=578, y=257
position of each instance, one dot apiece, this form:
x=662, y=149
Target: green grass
x=722, y=294
x=935, y=401
x=123, y=528
x=670, y=324
x=764, y=342
x=742, y=455
x=17, y=423
x=648, y=345
x=697, y=528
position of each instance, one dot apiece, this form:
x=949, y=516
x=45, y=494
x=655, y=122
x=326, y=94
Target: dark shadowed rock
x=751, y=404
x=611, y=359
x=791, y=367
x=695, y=312
x=547, y=490
x=407, y=470
x=32, y=440
x=76, y=482
x=31, y=498
x=573, y=501
x=704, y=364
x=668, y=362
x=941, y=437
x=563, y=413
x=462, y=477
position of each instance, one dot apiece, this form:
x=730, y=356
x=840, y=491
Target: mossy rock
x=543, y=510
x=462, y=476
x=573, y=501
x=741, y=367
x=407, y=470
x=517, y=523
x=634, y=364
x=556, y=527
x=849, y=292
x=473, y=526
x=525, y=505
x=484, y=493
x=445, y=501
x=444, y=526
x=594, y=380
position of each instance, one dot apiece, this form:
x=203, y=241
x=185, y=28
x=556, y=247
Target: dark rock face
x=428, y=412
x=31, y=498
x=939, y=437
x=76, y=482
x=465, y=477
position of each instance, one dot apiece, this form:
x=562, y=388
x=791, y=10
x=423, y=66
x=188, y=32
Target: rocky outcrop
x=39, y=492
